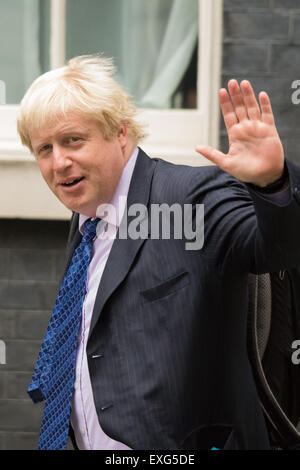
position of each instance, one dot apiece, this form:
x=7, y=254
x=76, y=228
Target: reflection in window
x=24, y=44
x=154, y=44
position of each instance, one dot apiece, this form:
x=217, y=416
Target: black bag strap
x=283, y=432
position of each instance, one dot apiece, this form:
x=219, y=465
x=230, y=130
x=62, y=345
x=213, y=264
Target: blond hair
x=84, y=86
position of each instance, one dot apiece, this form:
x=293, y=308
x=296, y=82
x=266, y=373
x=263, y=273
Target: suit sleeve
x=247, y=231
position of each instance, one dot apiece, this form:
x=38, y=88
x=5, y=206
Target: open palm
x=255, y=152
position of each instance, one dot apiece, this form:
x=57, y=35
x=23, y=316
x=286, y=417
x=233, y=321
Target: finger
x=250, y=101
x=266, y=108
x=237, y=100
x=227, y=109
x=214, y=155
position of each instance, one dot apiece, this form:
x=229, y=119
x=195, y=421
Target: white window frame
x=173, y=133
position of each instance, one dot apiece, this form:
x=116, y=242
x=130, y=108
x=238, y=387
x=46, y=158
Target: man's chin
x=80, y=205
x=73, y=206
x=84, y=209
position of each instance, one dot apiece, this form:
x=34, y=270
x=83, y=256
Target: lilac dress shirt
x=84, y=419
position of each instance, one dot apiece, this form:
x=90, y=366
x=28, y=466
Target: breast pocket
x=169, y=286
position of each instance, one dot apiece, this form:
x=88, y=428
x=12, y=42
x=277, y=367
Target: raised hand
x=255, y=152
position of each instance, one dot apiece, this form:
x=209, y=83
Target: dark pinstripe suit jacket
x=170, y=323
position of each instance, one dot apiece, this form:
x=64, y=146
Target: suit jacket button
x=105, y=407
x=96, y=356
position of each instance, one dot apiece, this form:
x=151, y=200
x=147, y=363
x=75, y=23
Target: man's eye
x=44, y=148
x=75, y=139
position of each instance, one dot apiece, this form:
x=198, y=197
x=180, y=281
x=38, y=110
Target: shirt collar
x=113, y=212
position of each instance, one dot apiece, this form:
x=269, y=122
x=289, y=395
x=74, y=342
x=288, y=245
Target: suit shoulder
x=183, y=182
x=181, y=175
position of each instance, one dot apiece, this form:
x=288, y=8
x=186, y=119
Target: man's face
x=78, y=164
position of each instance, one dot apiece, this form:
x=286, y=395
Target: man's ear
x=122, y=136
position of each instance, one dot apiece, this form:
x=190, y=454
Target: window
x=24, y=44
x=152, y=44
x=167, y=54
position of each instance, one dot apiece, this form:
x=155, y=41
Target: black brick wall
x=261, y=42
x=31, y=262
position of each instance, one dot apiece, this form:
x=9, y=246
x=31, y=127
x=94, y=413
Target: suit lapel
x=124, y=251
x=74, y=239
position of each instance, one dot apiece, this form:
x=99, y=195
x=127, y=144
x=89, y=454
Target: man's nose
x=61, y=158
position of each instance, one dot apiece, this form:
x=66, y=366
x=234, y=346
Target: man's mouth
x=72, y=182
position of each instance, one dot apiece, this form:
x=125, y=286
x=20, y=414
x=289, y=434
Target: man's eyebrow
x=62, y=133
x=74, y=131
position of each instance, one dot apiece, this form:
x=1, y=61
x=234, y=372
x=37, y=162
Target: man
x=159, y=330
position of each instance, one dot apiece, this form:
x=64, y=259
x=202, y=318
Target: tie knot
x=89, y=229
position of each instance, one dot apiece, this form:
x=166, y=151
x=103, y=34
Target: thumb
x=214, y=155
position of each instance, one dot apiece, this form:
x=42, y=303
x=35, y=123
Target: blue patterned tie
x=54, y=373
